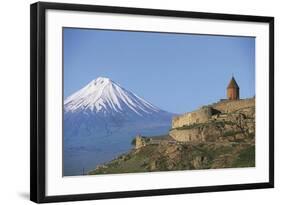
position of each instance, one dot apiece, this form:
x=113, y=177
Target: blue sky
x=176, y=72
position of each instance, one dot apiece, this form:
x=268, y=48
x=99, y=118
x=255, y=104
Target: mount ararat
x=101, y=119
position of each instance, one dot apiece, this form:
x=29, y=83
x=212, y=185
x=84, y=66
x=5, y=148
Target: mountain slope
x=174, y=157
x=105, y=106
x=101, y=119
x=102, y=95
x=228, y=142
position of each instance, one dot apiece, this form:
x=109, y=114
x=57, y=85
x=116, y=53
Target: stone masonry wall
x=204, y=114
x=189, y=135
x=233, y=105
x=199, y=116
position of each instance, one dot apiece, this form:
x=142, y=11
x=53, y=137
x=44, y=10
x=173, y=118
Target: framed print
x=129, y=102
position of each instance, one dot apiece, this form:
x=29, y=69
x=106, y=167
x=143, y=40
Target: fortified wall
x=212, y=122
x=199, y=116
x=227, y=106
x=188, y=135
x=205, y=113
x=189, y=128
x=142, y=141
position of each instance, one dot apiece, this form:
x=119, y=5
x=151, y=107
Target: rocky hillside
x=181, y=157
x=222, y=127
x=227, y=140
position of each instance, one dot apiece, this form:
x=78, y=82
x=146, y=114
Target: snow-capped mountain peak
x=103, y=95
x=101, y=119
x=100, y=81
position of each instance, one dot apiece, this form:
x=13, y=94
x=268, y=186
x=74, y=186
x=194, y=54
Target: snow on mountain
x=100, y=121
x=102, y=95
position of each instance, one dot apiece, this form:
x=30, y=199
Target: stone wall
x=199, y=116
x=222, y=127
x=188, y=135
x=144, y=141
x=203, y=133
x=203, y=114
x=233, y=105
x=208, y=124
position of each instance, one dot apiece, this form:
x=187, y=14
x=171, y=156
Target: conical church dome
x=232, y=83
x=232, y=90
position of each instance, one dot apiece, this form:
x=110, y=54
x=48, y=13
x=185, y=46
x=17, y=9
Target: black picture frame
x=38, y=101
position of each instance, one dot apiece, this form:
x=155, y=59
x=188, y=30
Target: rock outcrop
x=232, y=118
x=226, y=138
x=174, y=157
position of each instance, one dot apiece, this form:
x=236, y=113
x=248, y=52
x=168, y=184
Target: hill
x=181, y=157
x=224, y=139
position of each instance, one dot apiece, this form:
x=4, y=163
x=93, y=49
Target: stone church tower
x=233, y=90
